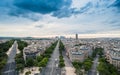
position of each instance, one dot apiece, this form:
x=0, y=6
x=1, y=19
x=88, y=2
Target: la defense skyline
x=89, y=19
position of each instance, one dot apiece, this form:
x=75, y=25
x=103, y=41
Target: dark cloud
x=42, y=6
x=21, y=8
x=56, y=8
x=72, y=11
x=117, y=3
x=24, y=13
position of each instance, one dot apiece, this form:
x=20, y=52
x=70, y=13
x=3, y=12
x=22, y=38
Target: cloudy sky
x=46, y=18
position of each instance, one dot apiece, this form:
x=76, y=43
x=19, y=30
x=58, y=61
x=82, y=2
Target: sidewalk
x=70, y=71
x=33, y=70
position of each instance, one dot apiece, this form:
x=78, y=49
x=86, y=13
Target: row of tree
x=86, y=65
x=98, y=51
x=104, y=67
x=4, y=47
x=42, y=62
x=20, y=63
x=61, y=49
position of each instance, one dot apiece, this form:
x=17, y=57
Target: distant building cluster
x=113, y=53
x=3, y=41
x=76, y=50
x=35, y=48
x=79, y=49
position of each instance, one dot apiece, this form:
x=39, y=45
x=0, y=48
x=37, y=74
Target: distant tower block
x=76, y=36
x=77, y=41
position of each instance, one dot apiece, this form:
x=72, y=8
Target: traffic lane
x=46, y=71
x=50, y=69
x=10, y=66
x=95, y=64
x=12, y=54
x=57, y=71
x=68, y=63
x=12, y=73
x=93, y=70
x=54, y=72
x=13, y=66
x=9, y=69
x=6, y=68
x=5, y=74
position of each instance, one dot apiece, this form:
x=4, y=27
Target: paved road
x=68, y=65
x=93, y=70
x=51, y=68
x=9, y=68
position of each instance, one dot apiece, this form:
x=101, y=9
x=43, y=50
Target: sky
x=49, y=18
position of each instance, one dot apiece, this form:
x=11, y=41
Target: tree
x=35, y=63
x=43, y=63
x=28, y=72
x=62, y=60
x=61, y=64
x=87, y=65
x=29, y=62
x=20, y=63
x=19, y=60
x=19, y=67
x=4, y=47
x=106, y=68
x=21, y=44
x=79, y=64
x=39, y=58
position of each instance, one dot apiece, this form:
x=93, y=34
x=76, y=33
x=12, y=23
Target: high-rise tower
x=76, y=36
x=76, y=39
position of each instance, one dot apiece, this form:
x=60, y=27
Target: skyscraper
x=76, y=36
x=76, y=39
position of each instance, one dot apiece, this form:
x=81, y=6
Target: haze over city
x=49, y=18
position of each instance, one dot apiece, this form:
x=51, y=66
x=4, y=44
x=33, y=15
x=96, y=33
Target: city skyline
x=88, y=18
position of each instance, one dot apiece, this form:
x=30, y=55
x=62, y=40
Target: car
x=56, y=65
x=56, y=59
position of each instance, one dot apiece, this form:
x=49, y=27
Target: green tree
x=87, y=65
x=19, y=60
x=29, y=62
x=39, y=58
x=43, y=63
x=61, y=64
x=19, y=67
x=4, y=47
x=28, y=72
x=106, y=68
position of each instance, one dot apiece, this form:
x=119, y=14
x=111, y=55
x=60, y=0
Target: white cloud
x=97, y=21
